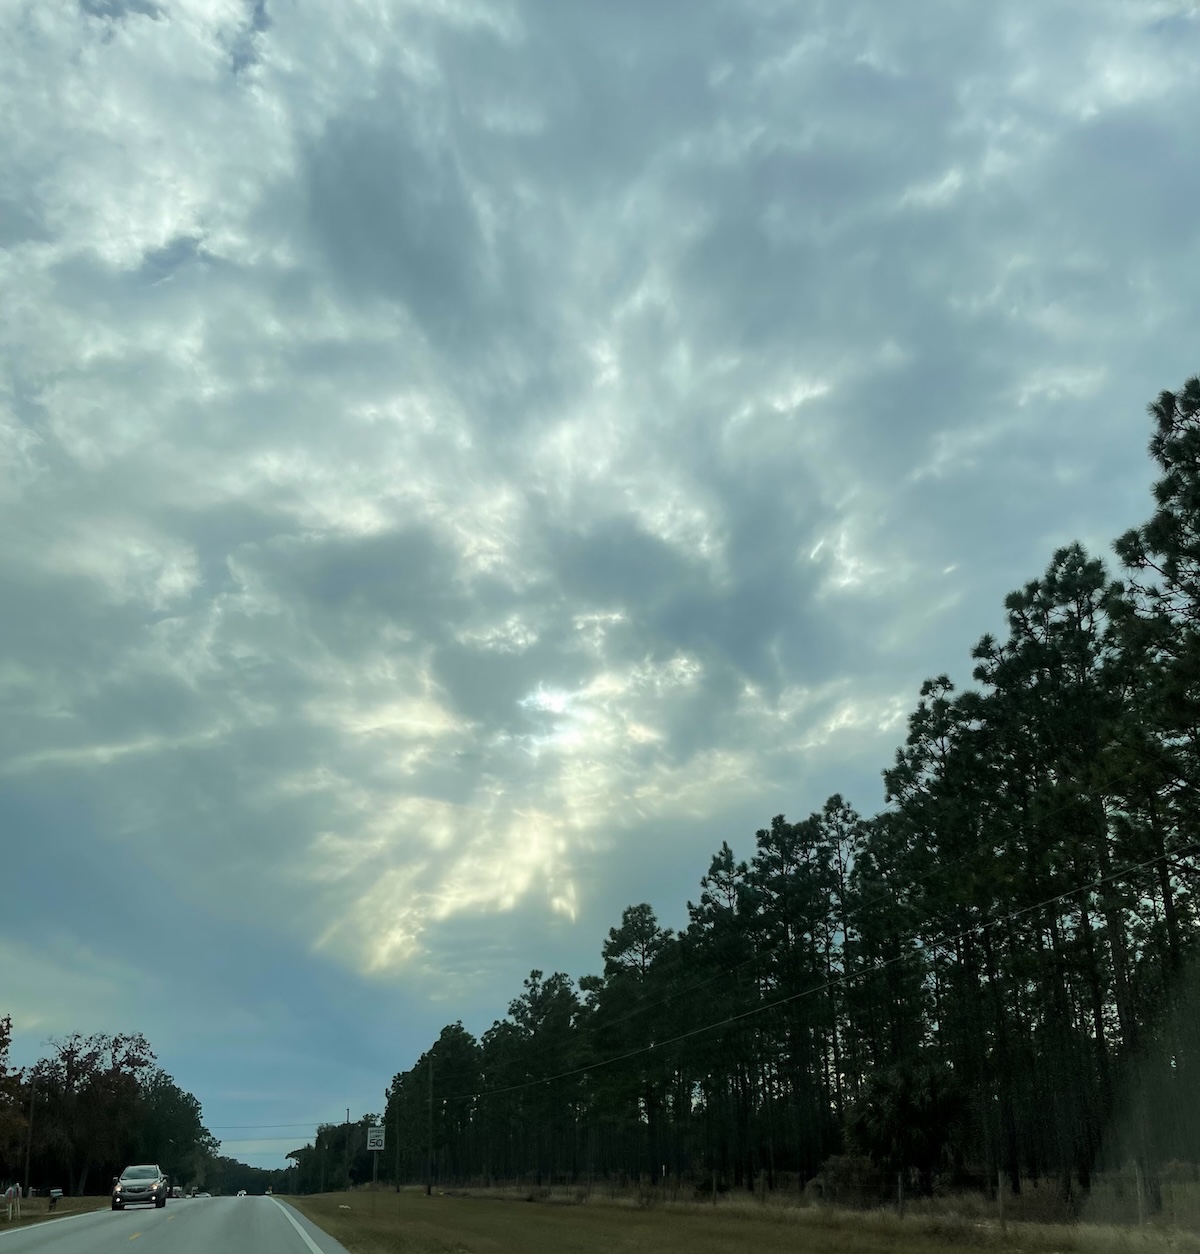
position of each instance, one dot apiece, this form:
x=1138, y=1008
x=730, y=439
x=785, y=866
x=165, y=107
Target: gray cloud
x=456, y=470
x=393, y=217
x=121, y=8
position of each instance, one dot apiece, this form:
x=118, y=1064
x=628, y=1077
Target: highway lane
x=199, y=1225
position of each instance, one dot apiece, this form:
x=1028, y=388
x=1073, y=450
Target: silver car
x=140, y=1186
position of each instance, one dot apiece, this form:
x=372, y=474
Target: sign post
x=375, y=1141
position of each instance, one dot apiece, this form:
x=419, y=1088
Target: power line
x=261, y=1140
x=825, y=985
x=250, y=1127
x=937, y=869
x=754, y=957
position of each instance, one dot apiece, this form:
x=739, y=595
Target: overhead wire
x=825, y=985
x=677, y=996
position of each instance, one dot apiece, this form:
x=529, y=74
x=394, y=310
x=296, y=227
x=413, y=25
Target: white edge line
x=314, y=1248
x=45, y=1223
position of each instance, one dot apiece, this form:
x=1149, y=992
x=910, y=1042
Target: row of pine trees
x=990, y=978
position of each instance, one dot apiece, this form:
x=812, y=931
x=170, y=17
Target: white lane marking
x=45, y=1223
x=313, y=1247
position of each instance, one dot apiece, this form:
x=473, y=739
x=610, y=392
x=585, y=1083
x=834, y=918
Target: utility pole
x=397, y=1143
x=429, y=1137
x=347, y=1147
x=29, y=1133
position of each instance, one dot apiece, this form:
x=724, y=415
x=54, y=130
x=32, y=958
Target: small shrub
x=846, y=1180
x=703, y=1190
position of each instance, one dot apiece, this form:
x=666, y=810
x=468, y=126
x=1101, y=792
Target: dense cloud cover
x=460, y=462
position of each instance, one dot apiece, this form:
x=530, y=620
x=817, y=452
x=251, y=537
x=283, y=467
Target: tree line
x=93, y=1105
x=993, y=977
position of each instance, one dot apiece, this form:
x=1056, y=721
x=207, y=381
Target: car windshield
x=139, y=1173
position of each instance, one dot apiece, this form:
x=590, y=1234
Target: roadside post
x=29, y=1130
x=375, y=1142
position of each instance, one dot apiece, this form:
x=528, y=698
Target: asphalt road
x=193, y=1225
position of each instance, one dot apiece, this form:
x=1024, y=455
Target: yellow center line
x=135, y=1236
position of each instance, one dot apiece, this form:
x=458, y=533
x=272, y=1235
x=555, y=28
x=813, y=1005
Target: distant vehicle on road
x=241, y=1192
x=143, y=1185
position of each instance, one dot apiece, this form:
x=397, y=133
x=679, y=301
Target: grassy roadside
x=410, y=1223
x=36, y=1210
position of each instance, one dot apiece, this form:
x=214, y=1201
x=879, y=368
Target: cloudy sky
x=459, y=462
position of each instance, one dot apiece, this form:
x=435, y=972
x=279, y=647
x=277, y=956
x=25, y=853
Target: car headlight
x=116, y=1188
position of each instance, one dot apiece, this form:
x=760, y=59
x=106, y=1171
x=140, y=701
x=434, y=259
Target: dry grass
x=36, y=1210
x=410, y=1223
